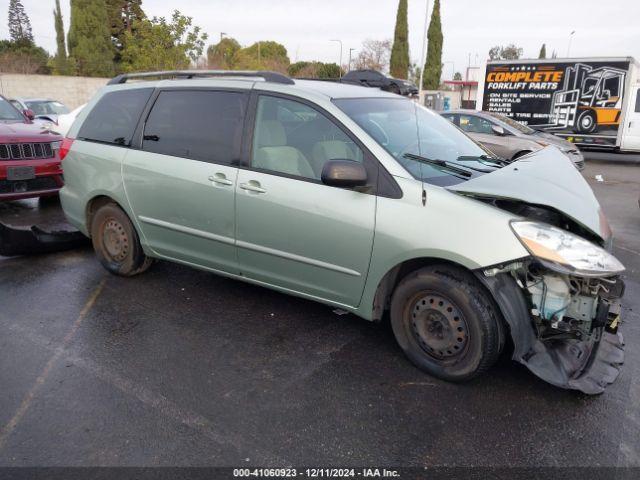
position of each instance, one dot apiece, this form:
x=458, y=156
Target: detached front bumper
x=585, y=365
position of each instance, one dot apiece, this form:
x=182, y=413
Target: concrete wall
x=72, y=91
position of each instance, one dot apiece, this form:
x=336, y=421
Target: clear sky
x=602, y=28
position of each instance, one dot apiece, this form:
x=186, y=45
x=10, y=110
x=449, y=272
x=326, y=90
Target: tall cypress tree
x=89, y=38
x=61, y=63
x=433, y=66
x=543, y=51
x=121, y=16
x=400, y=51
x=19, y=23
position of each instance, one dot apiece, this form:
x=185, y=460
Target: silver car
x=507, y=138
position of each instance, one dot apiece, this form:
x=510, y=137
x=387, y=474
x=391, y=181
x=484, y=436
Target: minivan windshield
x=409, y=131
x=8, y=112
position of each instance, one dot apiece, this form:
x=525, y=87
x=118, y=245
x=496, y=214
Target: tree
x=223, y=54
x=157, y=44
x=399, y=61
x=554, y=54
x=433, y=66
x=510, y=52
x=374, y=55
x=457, y=76
x=22, y=57
x=61, y=64
x=121, y=17
x=543, y=51
x=19, y=23
x=263, y=55
x=89, y=39
x=314, y=70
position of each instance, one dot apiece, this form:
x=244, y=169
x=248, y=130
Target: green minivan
x=359, y=199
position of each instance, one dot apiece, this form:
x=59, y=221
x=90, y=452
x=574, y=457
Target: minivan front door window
x=295, y=139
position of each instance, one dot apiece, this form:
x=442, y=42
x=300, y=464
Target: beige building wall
x=72, y=91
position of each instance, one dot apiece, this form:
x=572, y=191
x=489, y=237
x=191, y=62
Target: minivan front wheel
x=446, y=323
x=116, y=242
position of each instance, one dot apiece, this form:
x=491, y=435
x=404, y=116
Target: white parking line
x=26, y=402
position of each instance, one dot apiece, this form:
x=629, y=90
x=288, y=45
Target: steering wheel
x=380, y=134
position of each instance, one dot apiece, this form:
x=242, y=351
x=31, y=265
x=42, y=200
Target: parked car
x=29, y=159
x=66, y=120
x=40, y=109
x=359, y=199
x=373, y=78
x=507, y=138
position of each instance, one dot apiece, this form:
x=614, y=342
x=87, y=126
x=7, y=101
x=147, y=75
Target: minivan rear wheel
x=446, y=323
x=116, y=242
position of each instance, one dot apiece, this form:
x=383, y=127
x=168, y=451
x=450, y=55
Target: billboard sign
x=578, y=98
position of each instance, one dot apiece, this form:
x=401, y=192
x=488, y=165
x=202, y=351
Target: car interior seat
x=273, y=153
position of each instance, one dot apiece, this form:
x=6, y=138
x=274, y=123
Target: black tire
x=521, y=154
x=116, y=243
x=586, y=122
x=446, y=323
x=393, y=88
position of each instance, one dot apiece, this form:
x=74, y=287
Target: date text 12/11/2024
x=315, y=473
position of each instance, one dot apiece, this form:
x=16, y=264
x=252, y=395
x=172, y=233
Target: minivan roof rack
x=273, y=77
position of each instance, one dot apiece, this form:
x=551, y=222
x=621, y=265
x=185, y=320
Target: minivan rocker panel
x=460, y=254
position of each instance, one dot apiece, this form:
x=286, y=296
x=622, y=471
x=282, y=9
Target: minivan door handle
x=252, y=186
x=220, y=179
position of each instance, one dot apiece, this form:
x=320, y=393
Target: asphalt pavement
x=182, y=367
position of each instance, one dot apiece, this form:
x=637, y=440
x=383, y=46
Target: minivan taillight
x=65, y=146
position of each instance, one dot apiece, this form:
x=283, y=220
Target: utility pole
x=569, y=45
x=423, y=57
x=340, y=65
x=349, y=68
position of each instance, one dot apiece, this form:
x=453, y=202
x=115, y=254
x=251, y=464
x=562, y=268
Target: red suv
x=29, y=156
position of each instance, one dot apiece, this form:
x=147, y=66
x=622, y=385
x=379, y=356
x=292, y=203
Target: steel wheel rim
x=439, y=326
x=115, y=240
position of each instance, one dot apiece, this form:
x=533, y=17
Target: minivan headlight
x=565, y=252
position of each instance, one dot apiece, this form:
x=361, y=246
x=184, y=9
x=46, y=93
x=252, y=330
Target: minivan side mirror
x=498, y=130
x=344, y=173
x=29, y=114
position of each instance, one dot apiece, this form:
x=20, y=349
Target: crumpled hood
x=546, y=177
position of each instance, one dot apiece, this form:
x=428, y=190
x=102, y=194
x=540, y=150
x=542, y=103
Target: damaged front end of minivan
x=564, y=327
x=562, y=303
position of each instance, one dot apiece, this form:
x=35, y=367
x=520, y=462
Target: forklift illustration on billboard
x=590, y=98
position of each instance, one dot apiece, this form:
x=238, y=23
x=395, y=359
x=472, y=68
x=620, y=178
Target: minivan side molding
x=188, y=230
x=249, y=246
x=297, y=258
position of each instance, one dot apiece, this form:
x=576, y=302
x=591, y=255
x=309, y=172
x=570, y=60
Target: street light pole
x=453, y=67
x=349, y=67
x=340, y=65
x=423, y=57
x=569, y=45
x=222, y=35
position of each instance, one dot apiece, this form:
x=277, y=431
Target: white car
x=65, y=121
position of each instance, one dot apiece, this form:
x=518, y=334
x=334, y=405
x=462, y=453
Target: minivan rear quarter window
x=115, y=116
x=196, y=124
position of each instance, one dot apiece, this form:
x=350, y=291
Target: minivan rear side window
x=203, y=125
x=114, y=118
